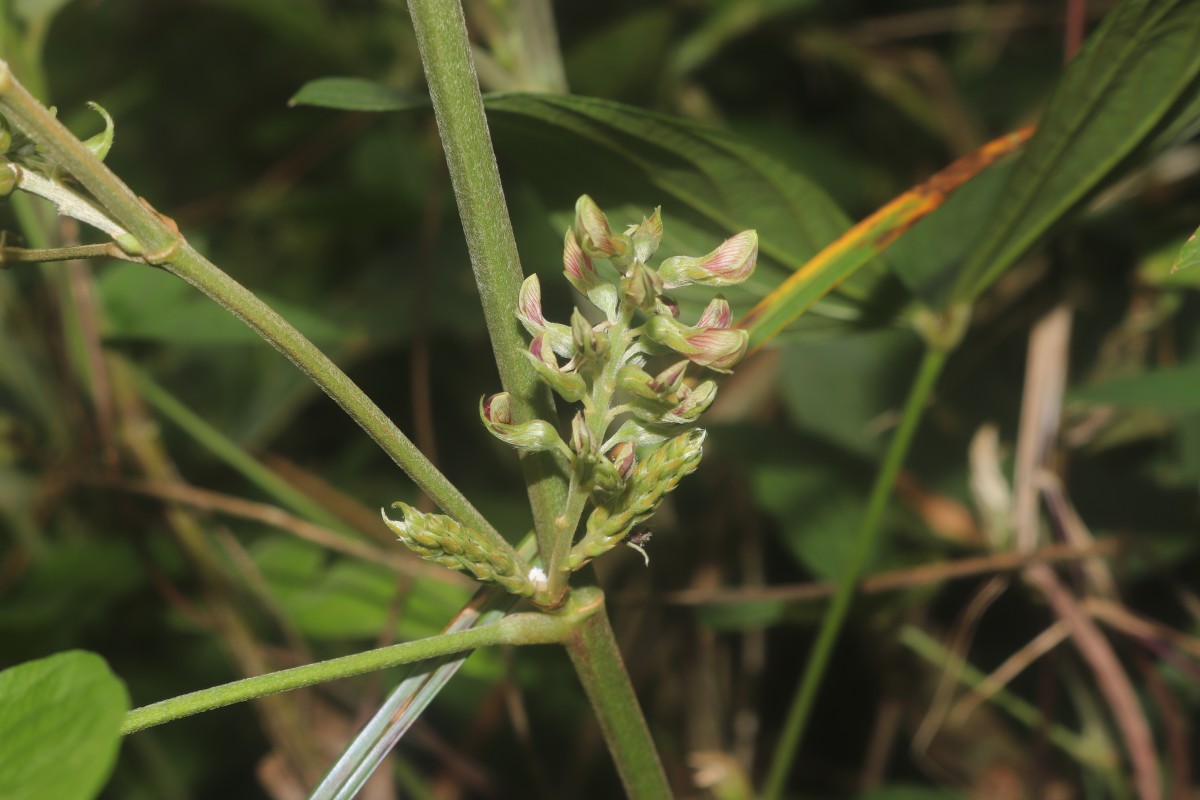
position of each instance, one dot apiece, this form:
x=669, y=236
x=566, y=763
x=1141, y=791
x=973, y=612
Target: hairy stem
x=513, y=629
x=864, y=543
x=163, y=246
x=458, y=106
x=598, y=663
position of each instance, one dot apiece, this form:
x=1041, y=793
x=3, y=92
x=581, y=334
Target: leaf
x=142, y=303
x=60, y=720
x=1189, y=256
x=1113, y=95
x=711, y=184
x=867, y=239
x=840, y=388
x=356, y=94
x=1172, y=390
x=101, y=143
x=928, y=258
x=615, y=60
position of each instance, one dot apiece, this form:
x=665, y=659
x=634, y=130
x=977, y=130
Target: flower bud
x=666, y=305
x=693, y=403
x=529, y=312
x=641, y=286
x=731, y=263
x=569, y=385
x=606, y=481
x=578, y=268
x=595, y=236
x=581, y=439
x=588, y=346
x=716, y=315
x=670, y=379
x=623, y=457
x=635, y=381
x=534, y=436
x=647, y=236
x=716, y=348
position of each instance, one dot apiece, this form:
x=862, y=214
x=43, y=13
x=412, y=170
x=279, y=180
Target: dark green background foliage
x=795, y=117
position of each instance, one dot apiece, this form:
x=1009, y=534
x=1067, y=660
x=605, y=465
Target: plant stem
x=1088, y=752
x=446, y=53
x=13, y=255
x=529, y=628
x=598, y=663
x=163, y=246
x=831, y=624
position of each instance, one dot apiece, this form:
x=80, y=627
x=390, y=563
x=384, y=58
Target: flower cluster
x=606, y=368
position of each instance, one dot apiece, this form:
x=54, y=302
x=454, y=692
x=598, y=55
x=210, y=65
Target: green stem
x=457, y=104
x=530, y=628
x=598, y=663
x=864, y=543
x=13, y=255
x=1089, y=752
x=163, y=246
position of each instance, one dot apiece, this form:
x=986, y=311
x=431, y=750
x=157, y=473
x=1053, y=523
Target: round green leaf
x=60, y=720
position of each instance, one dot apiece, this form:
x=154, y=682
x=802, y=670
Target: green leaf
x=356, y=94
x=1172, y=390
x=142, y=303
x=60, y=719
x=615, y=60
x=1189, y=256
x=101, y=143
x=710, y=184
x=927, y=258
x=1128, y=76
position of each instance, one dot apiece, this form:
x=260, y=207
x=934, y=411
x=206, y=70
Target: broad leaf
x=1131, y=72
x=1171, y=390
x=60, y=720
x=356, y=94
x=1189, y=256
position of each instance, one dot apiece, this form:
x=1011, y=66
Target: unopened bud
x=731, y=263
x=580, y=271
x=623, y=457
x=641, y=286
x=588, y=346
x=716, y=315
x=716, y=348
x=595, y=236
x=529, y=312
x=693, y=403
x=581, y=438
x=534, y=436
x=569, y=385
x=647, y=236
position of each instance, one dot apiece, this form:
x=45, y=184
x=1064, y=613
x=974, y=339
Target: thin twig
x=888, y=581
x=21, y=255
x=1013, y=666
x=282, y=520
